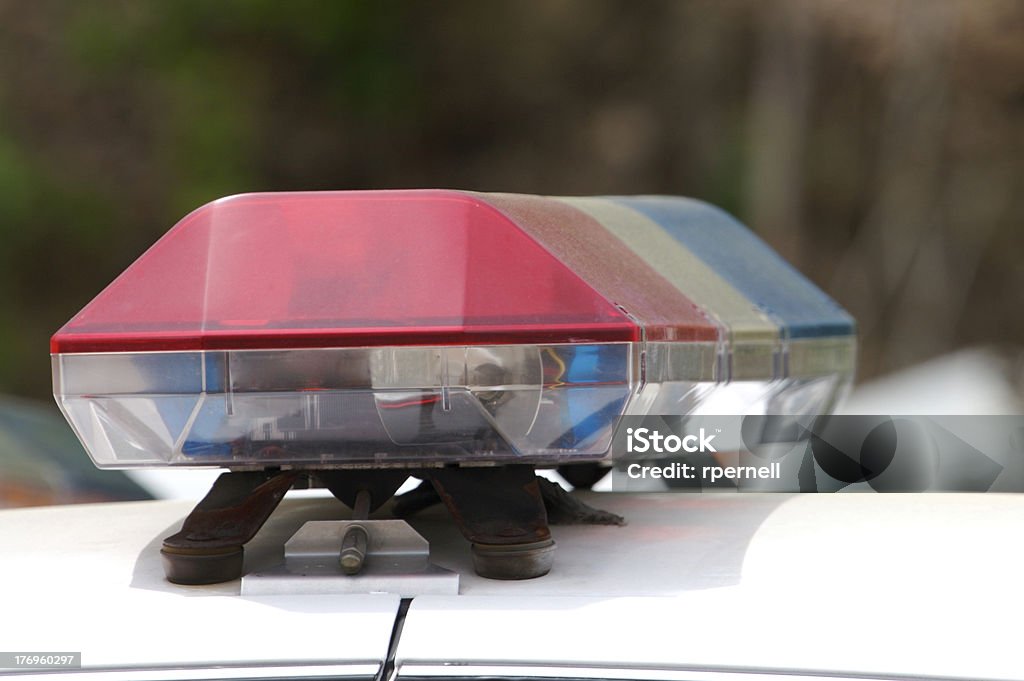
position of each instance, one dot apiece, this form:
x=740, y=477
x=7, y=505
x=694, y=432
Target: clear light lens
x=347, y=406
x=398, y=405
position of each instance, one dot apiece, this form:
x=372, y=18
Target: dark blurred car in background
x=43, y=462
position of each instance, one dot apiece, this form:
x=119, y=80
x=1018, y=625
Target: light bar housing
x=424, y=327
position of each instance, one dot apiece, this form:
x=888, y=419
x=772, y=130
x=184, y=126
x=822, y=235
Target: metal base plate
x=397, y=562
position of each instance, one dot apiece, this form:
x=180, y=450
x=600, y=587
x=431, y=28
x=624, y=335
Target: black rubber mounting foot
x=514, y=561
x=202, y=567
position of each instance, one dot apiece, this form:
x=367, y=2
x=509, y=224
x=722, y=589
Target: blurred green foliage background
x=877, y=145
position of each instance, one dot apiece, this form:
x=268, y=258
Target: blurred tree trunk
x=780, y=99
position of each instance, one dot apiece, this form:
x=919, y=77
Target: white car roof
x=88, y=578
x=842, y=585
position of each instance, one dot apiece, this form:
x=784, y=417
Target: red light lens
x=336, y=269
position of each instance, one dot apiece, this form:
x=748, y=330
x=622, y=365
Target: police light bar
x=411, y=328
